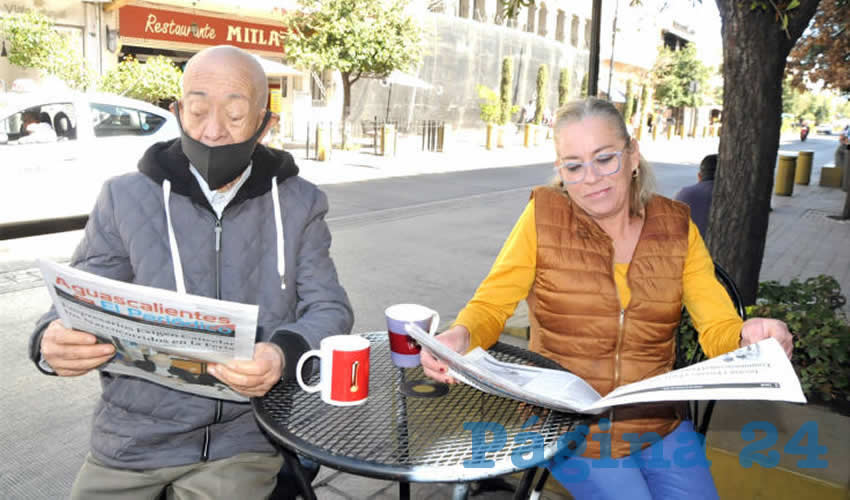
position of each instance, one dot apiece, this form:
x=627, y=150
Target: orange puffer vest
x=575, y=312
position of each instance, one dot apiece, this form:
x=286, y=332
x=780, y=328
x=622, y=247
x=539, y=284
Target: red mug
x=344, y=370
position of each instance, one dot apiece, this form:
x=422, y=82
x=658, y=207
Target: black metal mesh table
x=408, y=439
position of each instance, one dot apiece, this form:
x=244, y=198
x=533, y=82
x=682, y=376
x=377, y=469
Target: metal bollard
x=803, y=171
x=784, y=184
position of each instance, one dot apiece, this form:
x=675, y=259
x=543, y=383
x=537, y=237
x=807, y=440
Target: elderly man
x=214, y=214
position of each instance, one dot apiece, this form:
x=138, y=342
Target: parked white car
x=57, y=149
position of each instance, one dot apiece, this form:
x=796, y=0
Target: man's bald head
x=232, y=59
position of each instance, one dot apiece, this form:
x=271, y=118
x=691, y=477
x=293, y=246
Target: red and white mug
x=343, y=370
x=403, y=349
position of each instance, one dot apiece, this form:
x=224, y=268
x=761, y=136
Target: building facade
x=465, y=42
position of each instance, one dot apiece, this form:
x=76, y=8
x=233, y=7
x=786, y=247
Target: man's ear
x=273, y=120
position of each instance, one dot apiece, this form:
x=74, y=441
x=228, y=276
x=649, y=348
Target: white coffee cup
x=344, y=370
x=403, y=349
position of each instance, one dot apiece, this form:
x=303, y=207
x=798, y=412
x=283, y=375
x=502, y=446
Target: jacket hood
x=166, y=161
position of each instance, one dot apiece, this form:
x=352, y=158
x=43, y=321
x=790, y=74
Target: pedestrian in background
x=698, y=196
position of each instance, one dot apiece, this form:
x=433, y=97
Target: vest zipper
x=617, y=364
x=205, y=451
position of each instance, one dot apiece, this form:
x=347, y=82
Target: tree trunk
x=845, y=214
x=754, y=53
x=346, y=104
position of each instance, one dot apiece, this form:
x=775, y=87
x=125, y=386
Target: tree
x=674, y=75
x=757, y=37
x=823, y=52
x=542, y=80
x=628, y=106
x=359, y=38
x=755, y=49
x=34, y=43
x=506, y=107
x=563, y=87
x=157, y=81
x=491, y=108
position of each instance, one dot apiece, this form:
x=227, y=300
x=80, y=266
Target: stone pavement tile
x=359, y=486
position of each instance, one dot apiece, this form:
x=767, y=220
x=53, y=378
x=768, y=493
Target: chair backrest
x=701, y=420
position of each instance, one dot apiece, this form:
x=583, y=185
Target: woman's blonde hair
x=643, y=184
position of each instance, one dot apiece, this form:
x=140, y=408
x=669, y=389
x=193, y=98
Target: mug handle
x=435, y=323
x=304, y=357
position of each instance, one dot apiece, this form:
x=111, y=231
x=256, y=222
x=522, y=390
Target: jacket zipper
x=617, y=364
x=205, y=452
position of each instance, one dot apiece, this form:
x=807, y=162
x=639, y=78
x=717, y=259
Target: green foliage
x=32, y=42
x=356, y=37
x=491, y=106
x=812, y=311
x=628, y=106
x=644, y=95
x=157, y=81
x=542, y=80
x=506, y=107
x=563, y=87
x=584, y=86
x=673, y=74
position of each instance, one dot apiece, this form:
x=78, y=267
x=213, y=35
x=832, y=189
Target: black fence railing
x=25, y=229
x=433, y=133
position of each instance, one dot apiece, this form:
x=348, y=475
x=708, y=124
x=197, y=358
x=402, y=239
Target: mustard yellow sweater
x=512, y=275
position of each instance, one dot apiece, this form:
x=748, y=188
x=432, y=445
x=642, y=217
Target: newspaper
x=758, y=371
x=159, y=335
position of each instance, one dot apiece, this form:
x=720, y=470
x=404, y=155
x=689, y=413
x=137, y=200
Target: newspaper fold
x=159, y=335
x=758, y=371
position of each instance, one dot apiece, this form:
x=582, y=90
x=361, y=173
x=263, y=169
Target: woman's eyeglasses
x=573, y=172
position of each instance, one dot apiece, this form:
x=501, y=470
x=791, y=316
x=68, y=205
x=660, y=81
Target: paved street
x=404, y=236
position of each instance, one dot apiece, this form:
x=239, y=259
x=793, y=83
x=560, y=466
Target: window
x=45, y=123
x=116, y=121
x=532, y=13
x=480, y=11
x=559, y=27
x=463, y=9
x=574, y=32
x=541, y=20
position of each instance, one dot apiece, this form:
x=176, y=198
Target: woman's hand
x=756, y=329
x=457, y=339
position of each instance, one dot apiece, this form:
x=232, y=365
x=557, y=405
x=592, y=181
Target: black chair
x=700, y=420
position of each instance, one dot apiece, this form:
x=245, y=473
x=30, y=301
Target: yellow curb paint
x=756, y=483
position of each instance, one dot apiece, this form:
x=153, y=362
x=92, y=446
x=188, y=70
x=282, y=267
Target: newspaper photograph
x=758, y=371
x=159, y=335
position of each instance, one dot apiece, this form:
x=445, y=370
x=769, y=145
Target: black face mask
x=219, y=165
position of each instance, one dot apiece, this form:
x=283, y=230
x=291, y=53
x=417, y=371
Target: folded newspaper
x=757, y=371
x=159, y=335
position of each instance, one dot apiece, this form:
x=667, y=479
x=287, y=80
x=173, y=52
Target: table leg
x=460, y=491
x=403, y=490
x=294, y=465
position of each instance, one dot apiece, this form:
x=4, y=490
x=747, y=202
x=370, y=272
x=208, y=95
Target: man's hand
x=256, y=377
x=72, y=353
x=756, y=329
x=457, y=338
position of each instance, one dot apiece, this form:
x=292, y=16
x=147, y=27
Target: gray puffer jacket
x=142, y=425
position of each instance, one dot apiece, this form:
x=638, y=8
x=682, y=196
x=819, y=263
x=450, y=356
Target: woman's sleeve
x=508, y=282
x=708, y=303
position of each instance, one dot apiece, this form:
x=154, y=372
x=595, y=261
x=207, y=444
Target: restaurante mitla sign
x=240, y=34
